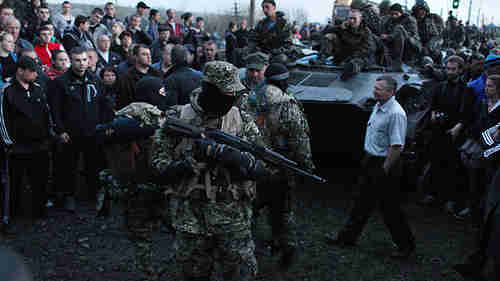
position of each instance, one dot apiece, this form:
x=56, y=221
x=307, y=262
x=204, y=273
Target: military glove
x=174, y=172
x=243, y=164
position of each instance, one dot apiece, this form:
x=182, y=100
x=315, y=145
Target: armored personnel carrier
x=338, y=110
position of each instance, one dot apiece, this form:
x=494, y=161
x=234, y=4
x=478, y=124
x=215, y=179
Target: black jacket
x=113, y=60
x=141, y=37
x=74, y=38
x=127, y=82
x=26, y=114
x=180, y=83
x=456, y=101
x=76, y=103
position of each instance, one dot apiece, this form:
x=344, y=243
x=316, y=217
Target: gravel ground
x=80, y=247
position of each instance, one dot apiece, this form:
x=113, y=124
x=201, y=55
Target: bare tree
x=298, y=15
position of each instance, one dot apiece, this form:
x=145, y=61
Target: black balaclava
x=147, y=90
x=277, y=74
x=214, y=102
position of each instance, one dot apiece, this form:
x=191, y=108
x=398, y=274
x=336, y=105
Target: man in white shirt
x=384, y=141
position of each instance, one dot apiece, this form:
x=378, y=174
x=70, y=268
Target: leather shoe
x=334, y=240
x=403, y=253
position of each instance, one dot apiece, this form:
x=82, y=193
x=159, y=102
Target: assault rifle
x=260, y=152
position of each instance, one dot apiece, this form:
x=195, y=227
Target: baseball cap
x=492, y=60
x=257, y=61
x=223, y=75
x=142, y=5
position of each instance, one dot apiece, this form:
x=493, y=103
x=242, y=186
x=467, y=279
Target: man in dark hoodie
x=79, y=35
x=182, y=79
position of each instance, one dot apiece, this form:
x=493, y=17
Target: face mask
x=214, y=102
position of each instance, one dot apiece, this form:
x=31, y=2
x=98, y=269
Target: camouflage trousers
x=234, y=251
x=143, y=204
x=281, y=201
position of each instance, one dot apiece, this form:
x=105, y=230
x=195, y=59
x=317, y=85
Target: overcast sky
x=317, y=10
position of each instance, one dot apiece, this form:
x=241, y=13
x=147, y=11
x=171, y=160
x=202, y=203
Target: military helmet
x=357, y=4
x=384, y=6
x=421, y=4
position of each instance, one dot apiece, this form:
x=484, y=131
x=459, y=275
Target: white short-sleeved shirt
x=386, y=127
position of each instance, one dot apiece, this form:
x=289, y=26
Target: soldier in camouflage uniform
x=455, y=34
x=400, y=34
x=430, y=28
x=211, y=204
x=252, y=77
x=129, y=182
x=273, y=34
x=371, y=17
x=351, y=44
x=285, y=129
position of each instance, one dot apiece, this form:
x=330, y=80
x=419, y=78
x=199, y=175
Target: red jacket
x=178, y=30
x=44, y=54
x=52, y=73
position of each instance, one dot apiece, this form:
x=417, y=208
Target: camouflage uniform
x=210, y=209
x=273, y=37
x=285, y=129
x=128, y=182
x=430, y=36
x=455, y=36
x=430, y=29
x=403, y=36
x=372, y=20
x=355, y=46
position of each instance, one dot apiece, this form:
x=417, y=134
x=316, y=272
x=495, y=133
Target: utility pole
x=236, y=10
x=470, y=10
x=251, y=14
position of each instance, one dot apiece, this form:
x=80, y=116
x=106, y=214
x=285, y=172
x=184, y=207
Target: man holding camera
x=452, y=111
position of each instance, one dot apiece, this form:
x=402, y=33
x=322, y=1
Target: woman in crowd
x=109, y=76
x=59, y=66
x=231, y=42
x=116, y=29
x=484, y=263
x=8, y=58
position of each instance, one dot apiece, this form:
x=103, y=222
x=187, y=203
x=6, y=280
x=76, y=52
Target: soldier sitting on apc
x=400, y=34
x=351, y=44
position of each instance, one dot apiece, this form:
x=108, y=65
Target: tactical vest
x=212, y=181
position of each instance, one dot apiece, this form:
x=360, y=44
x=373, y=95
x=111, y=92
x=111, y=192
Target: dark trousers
x=36, y=168
x=279, y=197
x=67, y=160
x=378, y=188
x=448, y=175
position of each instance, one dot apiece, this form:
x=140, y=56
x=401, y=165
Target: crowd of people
x=69, y=82
x=65, y=75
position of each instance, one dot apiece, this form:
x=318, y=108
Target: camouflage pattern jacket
x=352, y=43
x=408, y=22
x=129, y=164
x=272, y=37
x=372, y=20
x=208, y=201
x=455, y=36
x=284, y=126
x=429, y=33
